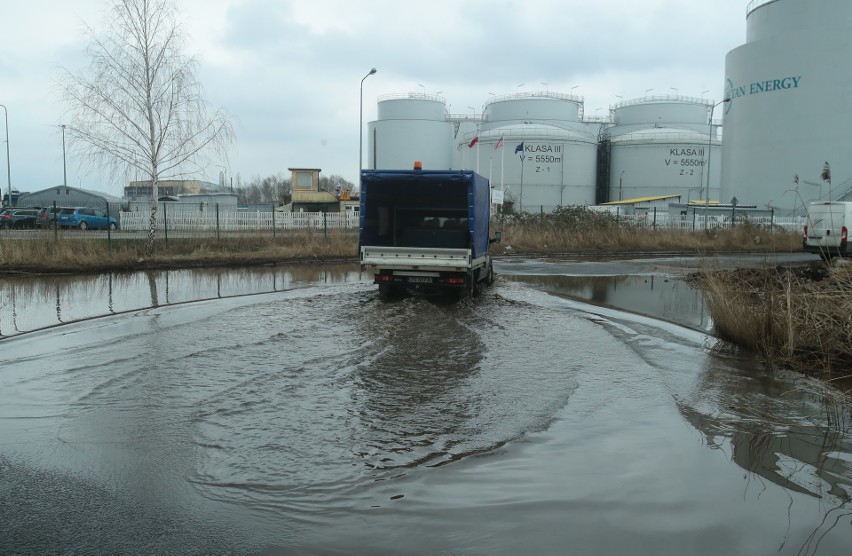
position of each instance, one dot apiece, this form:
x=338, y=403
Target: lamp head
x=372, y=71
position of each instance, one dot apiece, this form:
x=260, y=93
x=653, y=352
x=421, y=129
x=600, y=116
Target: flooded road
x=318, y=419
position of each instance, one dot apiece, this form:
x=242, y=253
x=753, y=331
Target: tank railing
x=597, y=120
x=697, y=138
x=532, y=131
x=415, y=96
x=662, y=98
x=754, y=4
x=464, y=118
x=534, y=94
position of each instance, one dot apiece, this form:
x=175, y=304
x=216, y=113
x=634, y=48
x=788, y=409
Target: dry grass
x=43, y=253
x=580, y=230
x=797, y=317
x=571, y=229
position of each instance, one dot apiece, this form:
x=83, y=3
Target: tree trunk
x=152, y=228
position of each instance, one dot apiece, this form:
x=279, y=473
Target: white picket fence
x=239, y=220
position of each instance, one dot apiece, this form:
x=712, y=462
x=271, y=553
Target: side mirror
x=498, y=236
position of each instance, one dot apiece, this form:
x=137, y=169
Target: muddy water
x=319, y=419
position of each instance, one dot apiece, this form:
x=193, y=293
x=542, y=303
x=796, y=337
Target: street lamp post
x=709, y=147
x=8, y=167
x=64, y=170
x=619, y=184
x=361, y=125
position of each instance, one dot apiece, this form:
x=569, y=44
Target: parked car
x=47, y=217
x=85, y=219
x=19, y=218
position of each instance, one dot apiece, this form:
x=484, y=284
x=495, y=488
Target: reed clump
x=796, y=317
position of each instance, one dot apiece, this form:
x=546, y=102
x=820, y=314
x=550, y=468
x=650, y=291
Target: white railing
x=253, y=221
x=698, y=221
x=239, y=221
x=714, y=220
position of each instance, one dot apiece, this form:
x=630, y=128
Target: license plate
x=420, y=279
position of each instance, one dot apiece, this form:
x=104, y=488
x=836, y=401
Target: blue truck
x=426, y=231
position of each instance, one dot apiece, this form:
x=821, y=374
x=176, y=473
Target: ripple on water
x=335, y=392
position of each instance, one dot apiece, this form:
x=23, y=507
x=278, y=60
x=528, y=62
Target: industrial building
x=786, y=113
x=64, y=196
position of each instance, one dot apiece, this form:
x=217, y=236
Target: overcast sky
x=289, y=71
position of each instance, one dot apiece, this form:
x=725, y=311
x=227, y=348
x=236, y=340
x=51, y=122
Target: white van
x=827, y=228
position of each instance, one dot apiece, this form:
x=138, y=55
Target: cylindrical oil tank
x=548, y=108
x=408, y=128
x=538, y=167
x=662, y=109
x=661, y=161
x=790, y=110
x=662, y=146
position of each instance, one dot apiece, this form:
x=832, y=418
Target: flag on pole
x=519, y=148
x=474, y=141
x=499, y=143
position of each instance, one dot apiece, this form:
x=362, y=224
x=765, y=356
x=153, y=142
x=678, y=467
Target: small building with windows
x=307, y=196
x=66, y=196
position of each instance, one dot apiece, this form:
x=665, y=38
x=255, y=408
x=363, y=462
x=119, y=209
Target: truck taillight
x=456, y=281
x=844, y=234
x=806, y=233
x=384, y=278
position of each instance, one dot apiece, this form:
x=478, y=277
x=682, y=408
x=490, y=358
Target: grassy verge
x=43, y=253
x=796, y=317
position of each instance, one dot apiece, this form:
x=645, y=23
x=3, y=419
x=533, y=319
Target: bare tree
x=272, y=189
x=139, y=107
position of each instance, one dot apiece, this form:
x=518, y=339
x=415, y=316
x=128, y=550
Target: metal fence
x=216, y=222
x=180, y=222
x=238, y=221
x=712, y=221
x=696, y=220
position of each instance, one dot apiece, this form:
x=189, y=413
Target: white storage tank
x=547, y=156
x=550, y=108
x=790, y=110
x=537, y=167
x=410, y=127
x=662, y=146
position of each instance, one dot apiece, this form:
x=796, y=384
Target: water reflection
x=34, y=303
x=662, y=297
x=792, y=436
x=780, y=431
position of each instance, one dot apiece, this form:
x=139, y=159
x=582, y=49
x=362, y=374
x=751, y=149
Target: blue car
x=86, y=219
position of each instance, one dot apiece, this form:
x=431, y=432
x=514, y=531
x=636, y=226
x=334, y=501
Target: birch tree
x=138, y=107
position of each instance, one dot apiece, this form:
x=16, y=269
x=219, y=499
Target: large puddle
x=572, y=408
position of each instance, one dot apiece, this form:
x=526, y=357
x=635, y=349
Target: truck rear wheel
x=389, y=290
